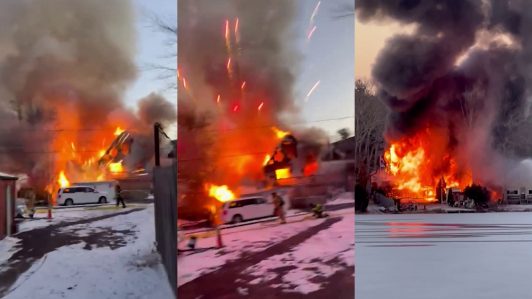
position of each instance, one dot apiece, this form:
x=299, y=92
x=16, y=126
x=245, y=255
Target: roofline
x=8, y=177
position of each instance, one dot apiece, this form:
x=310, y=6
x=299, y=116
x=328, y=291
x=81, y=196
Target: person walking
x=278, y=203
x=119, y=198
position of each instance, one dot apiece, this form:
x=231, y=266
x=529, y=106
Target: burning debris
x=459, y=92
x=62, y=80
x=236, y=74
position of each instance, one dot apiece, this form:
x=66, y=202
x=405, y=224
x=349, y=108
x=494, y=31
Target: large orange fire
x=418, y=165
x=75, y=161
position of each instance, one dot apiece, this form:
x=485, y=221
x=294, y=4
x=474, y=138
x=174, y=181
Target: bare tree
x=169, y=29
x=370, y=121
x=344, y=133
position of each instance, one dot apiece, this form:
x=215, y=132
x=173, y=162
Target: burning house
x=458, y=89
x=62, y=85
x=236, y=101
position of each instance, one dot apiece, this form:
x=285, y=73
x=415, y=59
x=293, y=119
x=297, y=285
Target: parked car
x=79, y=195
x=246, y=208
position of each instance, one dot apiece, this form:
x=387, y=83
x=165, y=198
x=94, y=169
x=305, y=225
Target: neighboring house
x=7, y=204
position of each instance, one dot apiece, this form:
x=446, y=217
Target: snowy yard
x=302, y=266
x=68, y=214
x=468, y=256
x=128, y=268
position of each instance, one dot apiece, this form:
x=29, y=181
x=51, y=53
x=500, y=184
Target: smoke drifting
x=464, y=76
x=64, y=67
x=237, y=66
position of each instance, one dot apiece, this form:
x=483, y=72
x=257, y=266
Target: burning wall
x=458, y=87
x=64, y=67
x=236, y=72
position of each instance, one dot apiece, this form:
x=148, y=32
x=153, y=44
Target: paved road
x=36, y=243
x=468, y=256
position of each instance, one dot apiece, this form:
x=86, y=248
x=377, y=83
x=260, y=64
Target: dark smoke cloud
x=465, y=70
x=155, y=108
x=64, y=64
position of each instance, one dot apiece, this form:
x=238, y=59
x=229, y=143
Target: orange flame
x=62, y=180
x=279, y=133
x=221, y=193
x=282, y=173
x=266, y=159
x=418, y=164
x=118, y=131
x=116, y=167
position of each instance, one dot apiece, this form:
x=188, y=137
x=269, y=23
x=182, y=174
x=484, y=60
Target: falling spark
x=266, y=160
x=101, y=153
x=185, y=83
x=229, y=65
x=226, y=30
x=218, y=99
x=73, y=146
x=236, y=26
x=260, y=106
x=312, y=90
x=243, y=85
x=315, y=12
x=178, y=75
x=309, y=36
x=235, y=108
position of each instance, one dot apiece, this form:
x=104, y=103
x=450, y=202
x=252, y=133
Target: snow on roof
x=6, y=176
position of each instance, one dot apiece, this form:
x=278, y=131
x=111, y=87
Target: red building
x=7, y=204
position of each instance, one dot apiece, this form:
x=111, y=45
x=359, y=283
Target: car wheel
x=102, y=200
x=237, y=218
x=69, y=202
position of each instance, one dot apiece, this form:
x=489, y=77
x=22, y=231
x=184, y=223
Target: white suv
x=246, y=208
x=78, y=195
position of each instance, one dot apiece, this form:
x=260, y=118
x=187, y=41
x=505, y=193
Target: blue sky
x=328, y=57
x=153, y=48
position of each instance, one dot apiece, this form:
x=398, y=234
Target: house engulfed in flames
x=417, y=171
x=105, y=164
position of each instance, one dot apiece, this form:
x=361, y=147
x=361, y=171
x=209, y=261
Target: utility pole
x=157, y=142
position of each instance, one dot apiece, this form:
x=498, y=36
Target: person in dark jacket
x=119, y=198
x=278, y=203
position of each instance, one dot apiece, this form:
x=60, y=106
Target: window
x=514, y=192
x=261, y=201
x=68, y=190
x=235, y=204
x=90, y=190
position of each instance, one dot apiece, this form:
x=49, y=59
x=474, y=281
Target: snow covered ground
x=311, y=259
x=131, y=271
x=68, y=215
x=444, y=256
x=7, y=249
x=319, y=256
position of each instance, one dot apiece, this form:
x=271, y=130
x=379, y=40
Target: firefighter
x=278, y=203
x=317, y=211
x=119, y=198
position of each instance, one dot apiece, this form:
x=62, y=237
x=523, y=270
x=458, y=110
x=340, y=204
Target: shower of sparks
x=312, y=90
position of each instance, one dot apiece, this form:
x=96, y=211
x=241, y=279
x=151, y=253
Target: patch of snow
x=7, y=248
x=237, y=241
x=132, y=271
x=313, y=258
x=346, y=197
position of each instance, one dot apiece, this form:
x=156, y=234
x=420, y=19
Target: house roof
x=6, y=176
